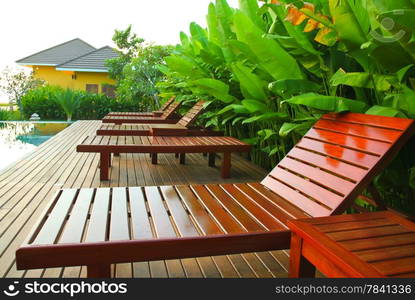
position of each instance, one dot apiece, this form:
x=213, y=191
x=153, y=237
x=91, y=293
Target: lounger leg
x=99, y=271
x=104, y=165
x=182, y=158
x=211, y=159
x=154, y=158
x=226, y=165
x=300, y=267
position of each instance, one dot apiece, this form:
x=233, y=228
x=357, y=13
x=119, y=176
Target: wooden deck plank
x=27, y=186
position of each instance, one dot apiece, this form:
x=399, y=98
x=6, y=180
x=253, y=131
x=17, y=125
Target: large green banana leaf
x=363, y=80
x=272, y=57
x=251, y=9
x=327, y=103
x=185, y=67
x=215, y=88
x=252, y=86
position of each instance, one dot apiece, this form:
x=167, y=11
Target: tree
x=16, y=83
x=141, y=75
x=128, y=45
x=135, y=70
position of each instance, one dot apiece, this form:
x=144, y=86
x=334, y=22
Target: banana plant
x=270, y=69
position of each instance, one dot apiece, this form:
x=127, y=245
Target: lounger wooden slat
x=74, y=228
x=267, y=204
x=185, y=228
x=216, y=219
x=314, y=174
x=328, y=164
x=203, y=219
x=166, y=118
x=145, y=114
x=184, y=126
x=181, y=218
x=53, y=225
x=224, y=219
x=234, y=209
x=140, y=224
x=380, y=134
x=119, y=229
x=286, y=208
x=314, y=208
x=371, y=120
x=348, y=141
x=160, y=217
x=326, y=197
x=98, y=223
x=262, y=216
x=349, y=156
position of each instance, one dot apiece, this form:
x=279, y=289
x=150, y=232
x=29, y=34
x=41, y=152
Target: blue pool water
x=17, y=139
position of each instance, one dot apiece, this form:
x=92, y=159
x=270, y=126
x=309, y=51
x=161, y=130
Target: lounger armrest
x=160, y=131
x=157, y=113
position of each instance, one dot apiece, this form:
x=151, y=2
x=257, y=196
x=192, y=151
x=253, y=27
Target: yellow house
x=75, y=65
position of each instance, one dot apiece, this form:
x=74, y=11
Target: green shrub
x=41, y=101
x=4, y=115
x=7, y=115
x=91, y=106
x=96, y=106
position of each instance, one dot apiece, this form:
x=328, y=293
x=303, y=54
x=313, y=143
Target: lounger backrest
x=331, y=165
x=167, y=103
x=190, y=117
x=171, y=110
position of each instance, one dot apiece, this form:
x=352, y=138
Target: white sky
x=29, y=26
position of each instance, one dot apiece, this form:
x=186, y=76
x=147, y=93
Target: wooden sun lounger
x=183, y=127
x=321, y=176
x=105, y=146
x=168, y=117
x=156, y=113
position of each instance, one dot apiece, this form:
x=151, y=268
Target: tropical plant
x=135, y=69
x=270, y=70
x=69, y=100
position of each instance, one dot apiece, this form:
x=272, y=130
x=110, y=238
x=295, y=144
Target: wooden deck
x=26, y=187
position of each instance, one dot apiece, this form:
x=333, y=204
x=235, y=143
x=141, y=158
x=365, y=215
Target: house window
x=108, y=90
x=92, y=88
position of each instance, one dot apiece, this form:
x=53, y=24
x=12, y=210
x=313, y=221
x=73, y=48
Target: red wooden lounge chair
x=183, y=127
x=157, y=113
x=167, y=117
x=321, y=176
x=163, y=144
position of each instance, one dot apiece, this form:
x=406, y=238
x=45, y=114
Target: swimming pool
x=17, y=139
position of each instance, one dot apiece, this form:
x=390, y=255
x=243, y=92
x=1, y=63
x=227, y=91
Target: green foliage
x=91, y=106
x=6, y=115
x=136, y=71
x=269, y=72
x=69, y=100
